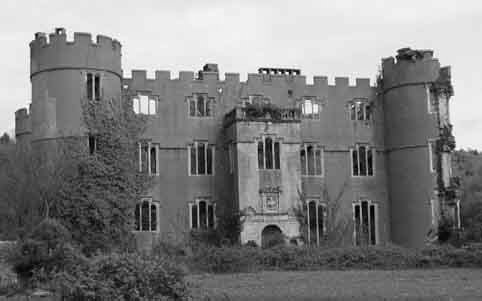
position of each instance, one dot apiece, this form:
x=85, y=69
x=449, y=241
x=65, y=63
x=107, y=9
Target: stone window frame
x=151, y=104
x=211, y=223
x=375, y=206
x=138, y=214
x=207, y=146
x=276, y=159
x=431, y=99
x=318, y=203
x=209, y=105
x=432, y=154
x=94, y=80
x=317, y=147
x=314, y=101
x=373, y=152
x=151, y=163
x=360, y=105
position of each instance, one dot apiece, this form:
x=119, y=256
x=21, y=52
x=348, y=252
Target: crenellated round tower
x=412, y=127
x=63, y=74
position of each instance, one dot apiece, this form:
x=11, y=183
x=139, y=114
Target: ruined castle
x=269, y=147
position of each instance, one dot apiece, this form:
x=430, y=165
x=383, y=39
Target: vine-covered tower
x=63, y=74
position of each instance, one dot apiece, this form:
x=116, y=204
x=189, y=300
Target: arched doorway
x=271, y=236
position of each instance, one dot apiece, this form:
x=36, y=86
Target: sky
x=330, y=38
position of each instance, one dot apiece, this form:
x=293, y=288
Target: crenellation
x=104, y=40
x=320, y=81
x=342, y=82
x=162, y=75
x=362, y=82
x=82, y=38
x=186, y=75
x=232, y=77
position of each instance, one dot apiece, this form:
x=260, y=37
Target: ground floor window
x=202, y=214
x=146, y=215
x=365, y=223
x=316, y=221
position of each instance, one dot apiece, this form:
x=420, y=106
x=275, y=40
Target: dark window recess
x=209, y=160
x=193, y=161
x=260, y=155
x=312, y=221
x=138, y=217
x=92, y=144
x=153, y=160
x=315, y=222
x=303, y=161
x=203, y=215
x=145, y=216
x=194, y=216
x=276, y=156
x=89, y=86
x=97, y=87
x=269, y=153
x=357, y=225
x=210, y=216
x=202, y=159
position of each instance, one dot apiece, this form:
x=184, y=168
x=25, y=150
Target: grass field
x=438, y=284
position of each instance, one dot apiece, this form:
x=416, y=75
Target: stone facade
x=268, y=146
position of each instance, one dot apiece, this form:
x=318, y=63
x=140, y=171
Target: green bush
x=122, y=277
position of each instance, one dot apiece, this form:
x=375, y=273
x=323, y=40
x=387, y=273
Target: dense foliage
x=250, y=259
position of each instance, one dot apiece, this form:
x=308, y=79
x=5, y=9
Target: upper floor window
x=431, y=100
x=360, y=110
x=316, y=215
x=149, y=158
x=144, y=104
x=362, y=160
x=200, y=105
x=365, y=221
x=93, y=86
x=310, y=108
x=201, y=158
x=268, y=153
x=311, y=160
x=202, y=214
x=146, y=215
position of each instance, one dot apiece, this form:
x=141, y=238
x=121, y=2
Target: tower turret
x=412, y=128
x=63, y=73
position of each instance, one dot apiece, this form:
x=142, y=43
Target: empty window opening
x=268, y=153
x=93, y=86
x=360, y=110
x=362, y=160
x=93, y=144
x=201, y=158
x=202, y=214
x=311, y=157
x=200, y=105
x=365, y=223
x=316, y=221
x=310, y=109
x=144, y=104
x=148, y=158
x=146, y=215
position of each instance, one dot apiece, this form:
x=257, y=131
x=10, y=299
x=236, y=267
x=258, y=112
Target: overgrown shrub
x=125, y=276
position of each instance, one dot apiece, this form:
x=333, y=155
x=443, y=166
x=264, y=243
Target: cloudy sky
x=332, y=38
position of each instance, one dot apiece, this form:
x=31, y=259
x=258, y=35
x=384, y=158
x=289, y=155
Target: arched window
x=146, y=216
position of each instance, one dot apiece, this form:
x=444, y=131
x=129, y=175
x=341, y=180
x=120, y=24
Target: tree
x=336, y=225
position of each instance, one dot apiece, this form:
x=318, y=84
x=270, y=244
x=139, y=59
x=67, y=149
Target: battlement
x=22, y=122
x=138, y=79
x=410, y=66
x=57, y=52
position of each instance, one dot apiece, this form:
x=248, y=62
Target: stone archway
x=271, y=235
